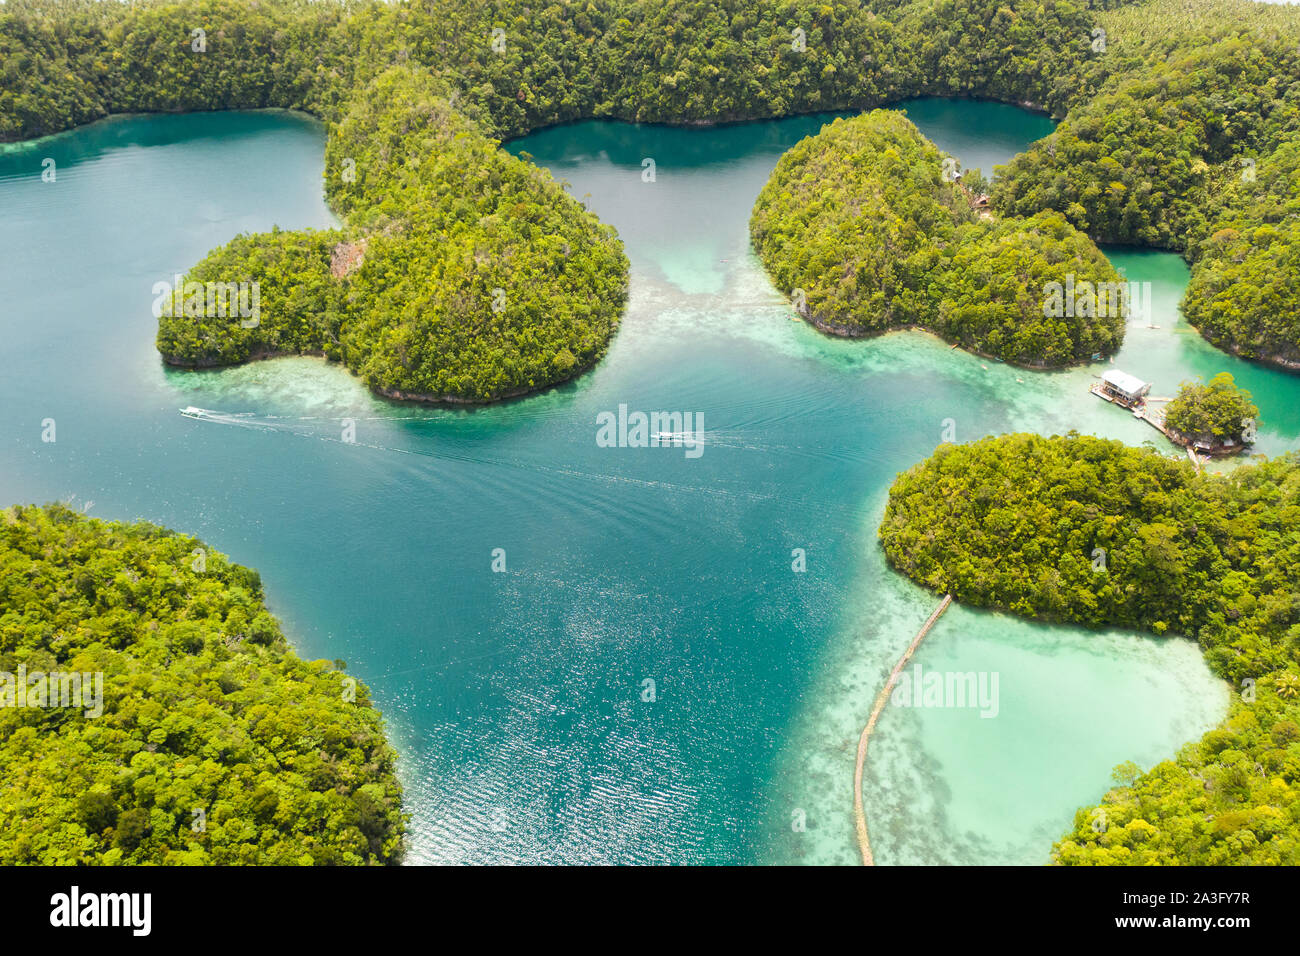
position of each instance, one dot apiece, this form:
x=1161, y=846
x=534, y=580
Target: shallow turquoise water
x=516, y=698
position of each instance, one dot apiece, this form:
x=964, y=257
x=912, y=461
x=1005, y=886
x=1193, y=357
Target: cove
x=518, y=697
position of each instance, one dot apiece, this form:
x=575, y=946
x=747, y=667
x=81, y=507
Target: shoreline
x=384, y=392
x=833, y=330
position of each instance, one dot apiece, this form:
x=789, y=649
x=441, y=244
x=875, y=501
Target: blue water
x=518, y=700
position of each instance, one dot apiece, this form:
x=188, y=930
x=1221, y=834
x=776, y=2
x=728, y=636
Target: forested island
x=464, y=274
x=1092, y=532
x=209, y=741
x=868, y=227
x=1179, y=131
x=1216, y=416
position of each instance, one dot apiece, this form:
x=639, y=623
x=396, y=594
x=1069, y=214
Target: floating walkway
x=1153, y=415
x=1153, y=411
x=859, y=816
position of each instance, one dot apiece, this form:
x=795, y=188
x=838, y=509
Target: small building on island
x=1129, y=391
x=1123, y=388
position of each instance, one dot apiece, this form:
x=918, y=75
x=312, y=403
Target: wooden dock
x=1153, y=415
x=1152, y=410
x=859, y=815
x=1149, y=410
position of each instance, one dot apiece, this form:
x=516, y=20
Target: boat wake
x=309, y=427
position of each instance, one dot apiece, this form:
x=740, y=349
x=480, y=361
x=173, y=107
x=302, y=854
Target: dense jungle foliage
x=300, y=305
x=1166, y=103
x=1243, y=295
x=1214, y=412
x=1190, y=143
x=464, y=274
x=1229, y=799
x=1181, y=129
x=1092, y=532
x=867, y=221
x=513, y=287
x=481, y=277
x=216, y=744
x=69, y=61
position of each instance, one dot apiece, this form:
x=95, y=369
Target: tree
x=1217, y=413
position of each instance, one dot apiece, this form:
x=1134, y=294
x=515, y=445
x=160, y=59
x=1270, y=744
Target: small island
x=463, y=274
x=1215, y=419
x=868, y=228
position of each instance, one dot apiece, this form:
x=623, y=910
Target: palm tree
x=1288, y=685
